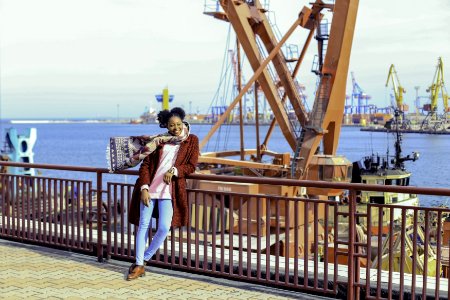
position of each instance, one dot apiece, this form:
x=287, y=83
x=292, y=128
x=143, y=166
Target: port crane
x=305, y=131
x=417, y=105
x=312, y=135
x=358, y=94
x=362, y=110
x=399, y=90
x=433, y=119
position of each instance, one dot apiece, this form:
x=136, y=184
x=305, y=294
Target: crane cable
x=222, y=75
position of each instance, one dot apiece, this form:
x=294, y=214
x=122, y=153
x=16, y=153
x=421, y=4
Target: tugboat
x=385, y=171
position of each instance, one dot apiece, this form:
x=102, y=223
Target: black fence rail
x=241, y=232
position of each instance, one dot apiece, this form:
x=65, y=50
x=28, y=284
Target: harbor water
x=84, y=144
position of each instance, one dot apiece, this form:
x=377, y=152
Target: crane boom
x=249, y=21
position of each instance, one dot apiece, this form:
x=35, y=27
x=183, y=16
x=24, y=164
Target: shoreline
x=129, y=121
x=65, y=121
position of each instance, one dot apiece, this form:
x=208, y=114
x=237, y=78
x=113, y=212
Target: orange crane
x=303, y=131
x=323, y=124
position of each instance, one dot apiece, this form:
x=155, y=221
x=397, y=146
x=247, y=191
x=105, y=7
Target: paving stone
x=35, y=272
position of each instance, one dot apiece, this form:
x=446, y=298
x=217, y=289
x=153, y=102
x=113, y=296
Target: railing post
x=351, y=244
x=99, y=218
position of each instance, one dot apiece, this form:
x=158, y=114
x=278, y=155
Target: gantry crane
x=362, y=104
x=434, y=120
x=362, y=110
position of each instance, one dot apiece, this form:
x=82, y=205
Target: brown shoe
x=138, y=271
x=130, y=269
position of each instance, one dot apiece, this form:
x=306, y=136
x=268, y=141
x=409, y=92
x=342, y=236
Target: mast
x=239, y=88
x=399, y=161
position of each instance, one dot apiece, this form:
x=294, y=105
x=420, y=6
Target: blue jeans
x=164, y=222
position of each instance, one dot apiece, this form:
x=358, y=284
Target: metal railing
x=245, y=228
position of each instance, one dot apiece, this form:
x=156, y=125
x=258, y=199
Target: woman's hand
x=145, y=197
x=168, y=177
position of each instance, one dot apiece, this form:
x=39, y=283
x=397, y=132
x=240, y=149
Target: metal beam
x=244, y=19
x=326, y=116
x=267, y=36
x=294, y=74
x=290, y=137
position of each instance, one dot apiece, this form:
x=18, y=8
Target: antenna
x=387, y=148
x=371, y=142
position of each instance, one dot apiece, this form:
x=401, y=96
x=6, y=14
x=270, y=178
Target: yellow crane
x=437, y=88
x=398, y=94
x=398, y=89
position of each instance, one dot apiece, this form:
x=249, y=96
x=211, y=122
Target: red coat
x=186, y=160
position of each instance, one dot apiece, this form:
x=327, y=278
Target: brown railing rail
x=240, y=232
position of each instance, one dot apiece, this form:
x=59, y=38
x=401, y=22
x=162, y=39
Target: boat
x=385, y=170
x=148, y=117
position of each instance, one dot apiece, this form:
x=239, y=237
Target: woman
x=162, y=183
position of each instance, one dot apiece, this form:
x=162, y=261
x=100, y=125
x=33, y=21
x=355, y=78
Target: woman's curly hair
x=165, y=115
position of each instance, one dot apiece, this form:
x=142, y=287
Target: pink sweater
x=158, y=188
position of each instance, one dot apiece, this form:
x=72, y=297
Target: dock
x=83, y=223
x=382, y=129
x=216, y=257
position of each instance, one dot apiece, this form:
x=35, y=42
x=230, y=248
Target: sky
x=108, y=58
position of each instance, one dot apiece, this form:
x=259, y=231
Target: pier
x=421, y=131
x=232, y=246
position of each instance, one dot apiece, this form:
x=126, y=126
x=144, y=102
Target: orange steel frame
x=324, y=122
